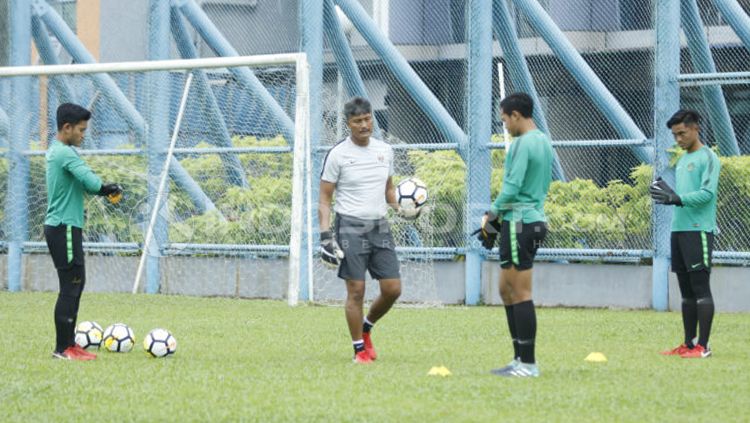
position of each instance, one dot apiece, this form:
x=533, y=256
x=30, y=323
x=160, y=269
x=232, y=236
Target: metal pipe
x=311, y=40
x=48, y=56
x=153, y=66
x=4, y=124
x=110, y=90
x=17, y=194
x=736, y=17
x=157, y=115
x=400, y=68
x=345, y=62
x=713, y=98
x=479, y=167
x=505, y=32
x=216, y=124
x=666, y=102
x=246, y=77
x=580, y=70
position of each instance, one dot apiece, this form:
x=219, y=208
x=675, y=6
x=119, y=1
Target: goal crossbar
x=155, y=65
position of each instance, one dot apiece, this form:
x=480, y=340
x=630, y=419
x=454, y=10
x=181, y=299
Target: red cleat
x=83, y=352
x=368, y=346
x=697, y=352
x=682, y=349
x=362, y=358
x=71, y=353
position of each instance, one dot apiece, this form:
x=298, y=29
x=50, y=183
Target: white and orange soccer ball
x=159, y=343
x=118, y=337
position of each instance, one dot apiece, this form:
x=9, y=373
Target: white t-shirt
x=360, y=175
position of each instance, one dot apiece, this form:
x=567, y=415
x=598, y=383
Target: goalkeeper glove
x=330, y=252
x=112, y=191
x=487, y=233
x=662, y=193
x=109, y=189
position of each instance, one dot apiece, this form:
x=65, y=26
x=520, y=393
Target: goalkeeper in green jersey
x=68, y=177
x=693, y=228
x=517, y=215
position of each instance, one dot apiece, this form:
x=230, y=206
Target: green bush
x=580, y=213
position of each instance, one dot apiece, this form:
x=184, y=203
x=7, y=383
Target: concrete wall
x=570, y=285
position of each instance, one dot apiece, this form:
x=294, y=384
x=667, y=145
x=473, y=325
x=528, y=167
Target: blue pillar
x=736, y=17
x=215, y=120
x=666, y=102
x=16, y=200
x=580, y=70
x=47, y=53
x=345, y=62
x=158, y=136
x=311, y=31
x=505, y=31
x=478, y=166
x=4, y=125
x=700, y=55
x=245, y=76
x=419, y=92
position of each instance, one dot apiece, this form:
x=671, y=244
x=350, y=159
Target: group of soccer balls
x=118, y=337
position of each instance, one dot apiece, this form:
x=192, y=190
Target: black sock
x=705, y=319
x=689, y=309
x=525, y=317
x=64, y=322
x=689, y=320
x=358, y=346
x=367, y=326
x=512, y=328
x=699, y=281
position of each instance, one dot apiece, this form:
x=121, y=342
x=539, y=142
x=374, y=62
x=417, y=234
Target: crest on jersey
x=381, y=158
x=690, y=167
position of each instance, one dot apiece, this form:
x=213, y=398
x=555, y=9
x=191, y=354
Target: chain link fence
x=594, y=84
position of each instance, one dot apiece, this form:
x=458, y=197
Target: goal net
x=212, y=171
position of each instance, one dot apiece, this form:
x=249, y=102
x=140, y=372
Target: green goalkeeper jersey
x=68, y=177
x=697, y=182
x=526, y=179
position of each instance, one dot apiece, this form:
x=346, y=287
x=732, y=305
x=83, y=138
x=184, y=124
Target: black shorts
x=691, y=251
x=65, y=245
x=368, y=245
x=519, y=242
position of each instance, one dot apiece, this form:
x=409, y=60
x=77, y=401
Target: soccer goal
x=212, y=155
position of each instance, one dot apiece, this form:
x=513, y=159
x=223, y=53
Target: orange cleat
x=368, y=346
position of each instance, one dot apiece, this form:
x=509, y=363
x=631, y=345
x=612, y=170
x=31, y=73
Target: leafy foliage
x=580, y=213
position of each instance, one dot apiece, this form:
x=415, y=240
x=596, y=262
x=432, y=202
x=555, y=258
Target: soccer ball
x=118, y=337
x=159, y=343
x=88, y=335
x=411, y=194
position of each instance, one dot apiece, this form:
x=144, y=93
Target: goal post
x=237, y=167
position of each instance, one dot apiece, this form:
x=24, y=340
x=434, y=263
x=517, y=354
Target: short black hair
x=685, y=116
x=518, y=102
x=72, y=114
x=357, y=106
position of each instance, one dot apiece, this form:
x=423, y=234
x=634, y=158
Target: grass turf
x=264, y=361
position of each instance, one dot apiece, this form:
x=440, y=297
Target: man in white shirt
x=359, y=169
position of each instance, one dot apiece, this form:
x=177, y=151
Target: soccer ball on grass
x=159, y=343
x=88, y=335
x=118, y=337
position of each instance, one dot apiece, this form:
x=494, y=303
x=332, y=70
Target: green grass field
x=263, y=361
